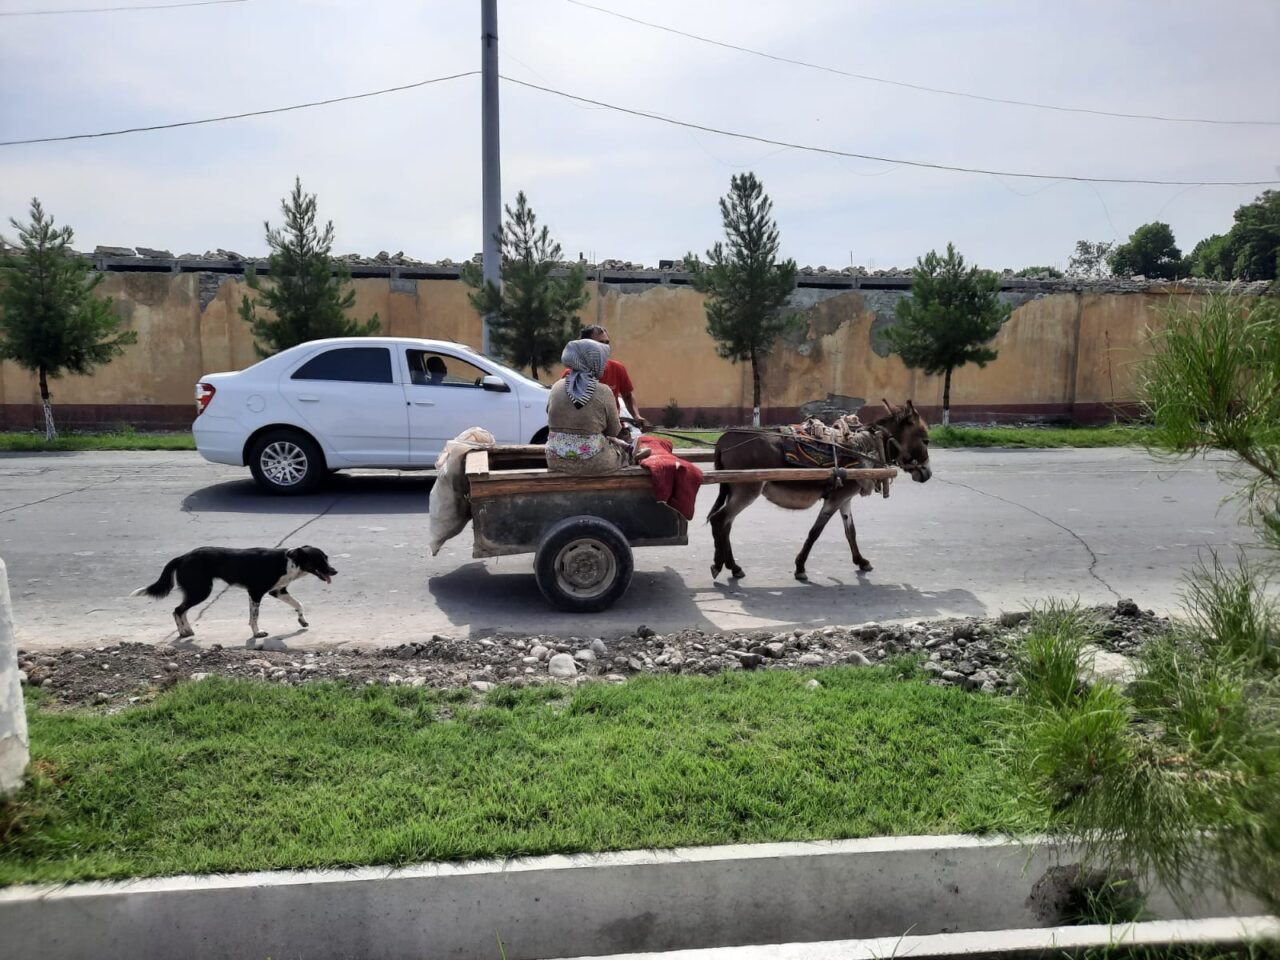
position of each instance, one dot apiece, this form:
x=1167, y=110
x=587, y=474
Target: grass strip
x=229, y=776
x=16, y=442
x=943, y=437
x=1113, y=435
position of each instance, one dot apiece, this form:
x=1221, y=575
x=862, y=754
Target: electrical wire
x=916, y=86
x=237, y=116
x=829, y=151
x=154, y=6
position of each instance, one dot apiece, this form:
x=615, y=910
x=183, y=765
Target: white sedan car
x=389, y=402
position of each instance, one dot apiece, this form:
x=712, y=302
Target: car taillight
x=204, y=393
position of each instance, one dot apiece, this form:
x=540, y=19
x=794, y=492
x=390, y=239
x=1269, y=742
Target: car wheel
x=541, y=436
x=583, y=565
x=287, y=462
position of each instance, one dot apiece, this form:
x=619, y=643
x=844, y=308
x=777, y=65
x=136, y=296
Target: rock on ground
x=970, y=653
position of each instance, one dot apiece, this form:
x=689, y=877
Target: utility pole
x=491, y=157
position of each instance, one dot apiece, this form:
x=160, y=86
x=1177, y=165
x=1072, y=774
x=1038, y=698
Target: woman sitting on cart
x=584, y=432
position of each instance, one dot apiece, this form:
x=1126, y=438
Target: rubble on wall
x=1043, y=283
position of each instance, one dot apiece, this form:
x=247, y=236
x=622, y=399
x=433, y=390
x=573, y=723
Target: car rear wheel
x=287, y=462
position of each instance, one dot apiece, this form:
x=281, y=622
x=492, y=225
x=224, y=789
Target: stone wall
x=1066, y=353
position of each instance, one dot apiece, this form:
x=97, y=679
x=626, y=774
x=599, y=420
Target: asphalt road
x=992, y=531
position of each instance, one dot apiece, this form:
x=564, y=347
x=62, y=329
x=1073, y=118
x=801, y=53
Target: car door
x=445, y=396
x=351, y=400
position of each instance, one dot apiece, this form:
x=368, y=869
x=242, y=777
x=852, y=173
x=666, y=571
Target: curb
x=561, y=906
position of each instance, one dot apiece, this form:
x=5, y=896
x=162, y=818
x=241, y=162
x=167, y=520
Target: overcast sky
x=402, y=171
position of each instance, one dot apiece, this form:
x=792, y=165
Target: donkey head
x=907, y=443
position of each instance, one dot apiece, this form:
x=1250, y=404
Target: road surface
x=994, y=530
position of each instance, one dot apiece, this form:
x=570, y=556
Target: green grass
x=705, y=438
x=1115, y=435
x=232, y=776
x=1111, y=436
x=126, y=439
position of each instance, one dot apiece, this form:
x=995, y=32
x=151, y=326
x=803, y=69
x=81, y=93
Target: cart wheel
x=583, y=565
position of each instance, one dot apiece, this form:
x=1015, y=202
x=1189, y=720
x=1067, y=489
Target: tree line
x=52, y=322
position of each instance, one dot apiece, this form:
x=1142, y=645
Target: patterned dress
x=578, y=440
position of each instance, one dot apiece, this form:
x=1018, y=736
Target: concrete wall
x=1066, y=352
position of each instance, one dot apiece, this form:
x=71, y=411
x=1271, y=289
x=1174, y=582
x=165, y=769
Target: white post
x=490, y=155
x=13, y=718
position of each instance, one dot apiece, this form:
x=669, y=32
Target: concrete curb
x=13, y=715
x=996, y=944
x=560, y=906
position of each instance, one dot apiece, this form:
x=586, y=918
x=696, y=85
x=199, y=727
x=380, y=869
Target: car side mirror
x=495, y=383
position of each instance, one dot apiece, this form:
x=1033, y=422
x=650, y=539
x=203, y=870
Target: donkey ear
x=889, y=408
x=911, y=409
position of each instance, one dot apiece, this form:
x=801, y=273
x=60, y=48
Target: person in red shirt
x=615, y=376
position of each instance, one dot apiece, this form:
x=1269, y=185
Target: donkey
x=906, y=445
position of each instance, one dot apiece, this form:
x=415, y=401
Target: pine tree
x=533, y=314
x=50, y=320
x=951, y=315
x=305, y=292
x=745, y=285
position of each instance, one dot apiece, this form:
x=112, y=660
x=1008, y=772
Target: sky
x=401, y=172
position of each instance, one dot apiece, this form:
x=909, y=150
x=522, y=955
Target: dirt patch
x=972, y=653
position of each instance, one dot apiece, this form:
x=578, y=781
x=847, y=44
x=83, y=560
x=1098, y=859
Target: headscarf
x=585, y=360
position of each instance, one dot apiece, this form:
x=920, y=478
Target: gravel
x=971, y=653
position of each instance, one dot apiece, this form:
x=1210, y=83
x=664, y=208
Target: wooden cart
x=581, y=529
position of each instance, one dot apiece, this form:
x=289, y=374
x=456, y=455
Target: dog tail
x=163, y=585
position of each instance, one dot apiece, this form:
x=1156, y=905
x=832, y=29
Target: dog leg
x=184, y=625
x=254, y=604
x=284, y=594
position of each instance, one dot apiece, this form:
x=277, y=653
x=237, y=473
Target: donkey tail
x=163, y=585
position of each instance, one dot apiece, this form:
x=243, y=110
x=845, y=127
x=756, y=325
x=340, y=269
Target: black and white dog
x=261, y=571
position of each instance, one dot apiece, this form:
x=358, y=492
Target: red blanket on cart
x=675, y=481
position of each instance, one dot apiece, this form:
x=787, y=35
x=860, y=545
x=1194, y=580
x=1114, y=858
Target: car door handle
x=424, y=403
x=308, y=398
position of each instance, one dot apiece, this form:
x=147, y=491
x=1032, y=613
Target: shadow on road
x=510, y=601
x=363, y=494
x=487, y=601
x=835, y=601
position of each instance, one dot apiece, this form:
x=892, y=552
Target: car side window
x=427, y=369
x=349, y=364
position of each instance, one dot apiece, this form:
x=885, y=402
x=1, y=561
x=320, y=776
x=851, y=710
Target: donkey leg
x=828, y=510
x=741, y=496
x=846, y=514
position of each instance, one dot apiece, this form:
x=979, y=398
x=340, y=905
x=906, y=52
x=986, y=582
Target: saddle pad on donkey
x=801, y=451
x=675, y=481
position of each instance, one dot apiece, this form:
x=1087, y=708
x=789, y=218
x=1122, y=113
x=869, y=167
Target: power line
x=867, y=156
x=238, y=116
x=156, y=6
x=917, y=86
x=808, y=148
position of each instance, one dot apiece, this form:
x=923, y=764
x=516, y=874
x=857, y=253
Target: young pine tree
x=948, y=320
x=533, y=314
x=304, y=294
x=50, y=320
x=745, y=285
